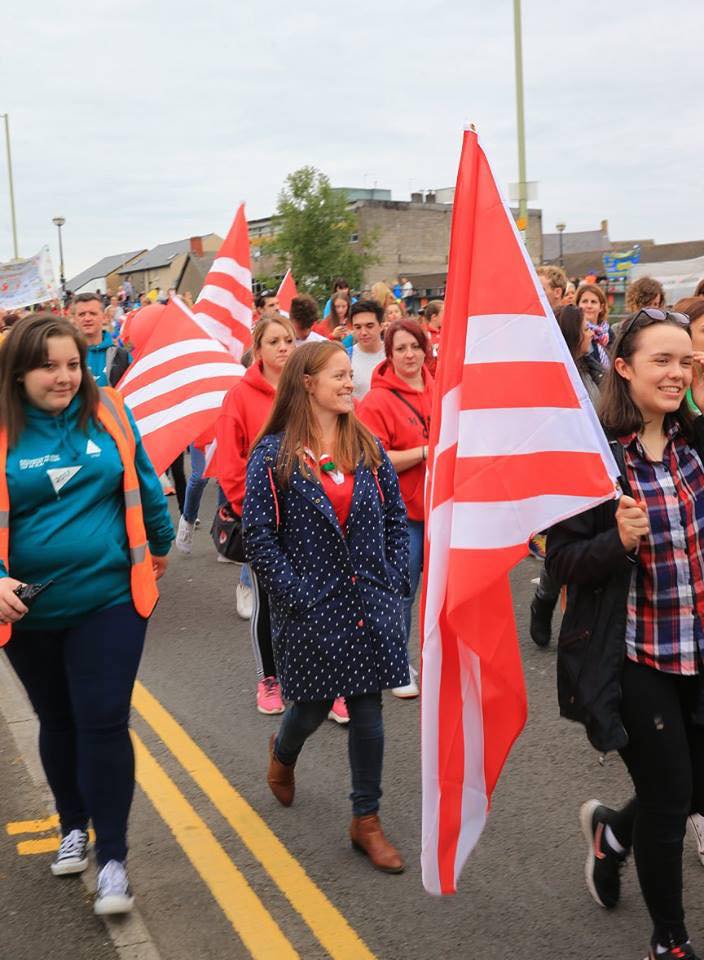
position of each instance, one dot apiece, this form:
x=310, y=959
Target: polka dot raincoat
x=336, y=610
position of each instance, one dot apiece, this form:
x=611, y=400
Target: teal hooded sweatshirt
x=67, y=516
x=97, y=357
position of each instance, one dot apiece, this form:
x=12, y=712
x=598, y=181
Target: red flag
x=287, y=291
x=176, y=384
x=515, y=446
x=224, y=305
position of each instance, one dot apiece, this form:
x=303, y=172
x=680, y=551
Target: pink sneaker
x=338, y=711
x=269, y=696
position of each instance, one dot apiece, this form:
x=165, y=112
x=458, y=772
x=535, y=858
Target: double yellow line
x=257, y=929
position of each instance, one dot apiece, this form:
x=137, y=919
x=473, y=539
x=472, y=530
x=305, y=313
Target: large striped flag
x=224, y=305
x=287, y=291
x=515, y=446
x=176, y=384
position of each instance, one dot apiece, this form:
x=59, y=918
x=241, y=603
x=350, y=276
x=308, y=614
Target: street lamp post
x=520, y=121
x=560, y=230
x=58, y=223
x=6, y=117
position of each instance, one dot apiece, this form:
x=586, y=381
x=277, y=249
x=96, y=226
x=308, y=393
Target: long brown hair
x=599, y=294
x=26, y=348
x=333, y=320
x=618, y=413
x=292, y=415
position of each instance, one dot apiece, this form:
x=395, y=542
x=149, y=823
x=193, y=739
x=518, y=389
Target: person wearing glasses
x=630, y=648
x=397, y=410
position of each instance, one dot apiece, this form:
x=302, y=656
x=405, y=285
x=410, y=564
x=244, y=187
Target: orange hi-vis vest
x=112, y=415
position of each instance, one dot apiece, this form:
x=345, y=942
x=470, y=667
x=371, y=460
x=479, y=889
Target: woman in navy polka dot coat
x=328, y=539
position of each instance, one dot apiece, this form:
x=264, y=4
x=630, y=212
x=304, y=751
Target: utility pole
x=12, y=189
x=521, y=125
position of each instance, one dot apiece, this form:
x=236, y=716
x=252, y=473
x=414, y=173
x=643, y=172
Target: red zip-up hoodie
x=245, y=409
x=398, y=427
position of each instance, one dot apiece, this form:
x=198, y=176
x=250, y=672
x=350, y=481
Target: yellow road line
x=32, y=826
x=44, y=845
x=257, y=929
x=325, y=921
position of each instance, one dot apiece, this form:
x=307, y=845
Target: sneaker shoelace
x=72, y=844
x=270, y=685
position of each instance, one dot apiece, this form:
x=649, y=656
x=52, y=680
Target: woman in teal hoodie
x=70, y=521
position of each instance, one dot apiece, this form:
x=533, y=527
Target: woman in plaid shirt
x=630, y=654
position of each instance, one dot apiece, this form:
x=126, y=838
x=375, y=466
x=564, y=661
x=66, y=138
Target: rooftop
x=101, y=269
x=160, y=256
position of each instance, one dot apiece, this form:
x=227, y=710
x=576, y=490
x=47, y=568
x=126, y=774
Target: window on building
x=354, y=238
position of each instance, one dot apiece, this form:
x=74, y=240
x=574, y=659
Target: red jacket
x=245, y=409
x=398, y=427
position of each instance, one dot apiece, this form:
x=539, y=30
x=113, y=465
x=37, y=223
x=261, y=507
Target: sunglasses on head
x=652, y=313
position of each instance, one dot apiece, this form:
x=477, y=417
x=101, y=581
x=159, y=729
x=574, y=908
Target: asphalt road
x=220, y=870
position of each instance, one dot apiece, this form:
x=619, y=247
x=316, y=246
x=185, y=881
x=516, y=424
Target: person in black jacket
x=631, y=644
x=578, y=337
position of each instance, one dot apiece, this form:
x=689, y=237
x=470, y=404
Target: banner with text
x=25, y=282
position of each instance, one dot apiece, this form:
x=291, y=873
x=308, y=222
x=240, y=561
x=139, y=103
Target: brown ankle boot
x=280, y=777
x=368, y=837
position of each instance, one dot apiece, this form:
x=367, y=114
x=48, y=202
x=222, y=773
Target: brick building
x=412, y=237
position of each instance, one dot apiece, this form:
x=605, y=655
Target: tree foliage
x=313, y=226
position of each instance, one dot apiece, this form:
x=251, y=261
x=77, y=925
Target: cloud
x=143, y=123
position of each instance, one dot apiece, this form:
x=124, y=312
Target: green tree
x=313, y=226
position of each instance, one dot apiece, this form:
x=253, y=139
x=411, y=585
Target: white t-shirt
x=312, y=337
x=363, y=365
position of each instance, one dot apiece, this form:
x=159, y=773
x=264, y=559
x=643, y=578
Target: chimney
x=430, y=196
x=416, y=198
x=197, y=246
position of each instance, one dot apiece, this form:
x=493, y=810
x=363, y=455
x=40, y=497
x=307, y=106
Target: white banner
x=24, y=282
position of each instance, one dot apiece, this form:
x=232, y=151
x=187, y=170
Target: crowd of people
x=320, y=463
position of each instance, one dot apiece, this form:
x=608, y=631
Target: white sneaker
x=184, y=536
x=245, y=601
x=73, y=854
x=410, y=690
x=113, y=894
x=695, y=825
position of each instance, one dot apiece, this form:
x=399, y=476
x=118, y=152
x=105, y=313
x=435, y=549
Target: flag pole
x=521, y=125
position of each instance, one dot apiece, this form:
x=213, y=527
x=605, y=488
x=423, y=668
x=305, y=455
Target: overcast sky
x=144, y=122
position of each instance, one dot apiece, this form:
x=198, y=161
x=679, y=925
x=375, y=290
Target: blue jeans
x=416, y=533
x=246, y=576
x=79, y=681
x=366, y=743
x=196, y=485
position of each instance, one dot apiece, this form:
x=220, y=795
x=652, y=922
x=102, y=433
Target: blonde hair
x=263, y=325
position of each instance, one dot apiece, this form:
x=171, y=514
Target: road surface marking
x=255, y=926
x=324, y=920
x=32, y=826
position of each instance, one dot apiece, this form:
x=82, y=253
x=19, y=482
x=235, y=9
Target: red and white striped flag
x=515, y=446
x=176, y=384
x=287, y=291
x=224, y=305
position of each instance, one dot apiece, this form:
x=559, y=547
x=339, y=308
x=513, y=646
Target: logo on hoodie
x=92, y=449
x=60, y=476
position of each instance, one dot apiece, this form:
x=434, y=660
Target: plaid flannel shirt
x=666, y=599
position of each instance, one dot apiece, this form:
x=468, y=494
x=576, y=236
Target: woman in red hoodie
x=397, y=409
x=244, y=412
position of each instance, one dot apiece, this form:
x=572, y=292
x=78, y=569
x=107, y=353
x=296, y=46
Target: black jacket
x=586, y=553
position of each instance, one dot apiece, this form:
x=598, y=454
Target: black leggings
x=665, y=758
x=260, y=631
x=79, y=680
x=178, y=475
